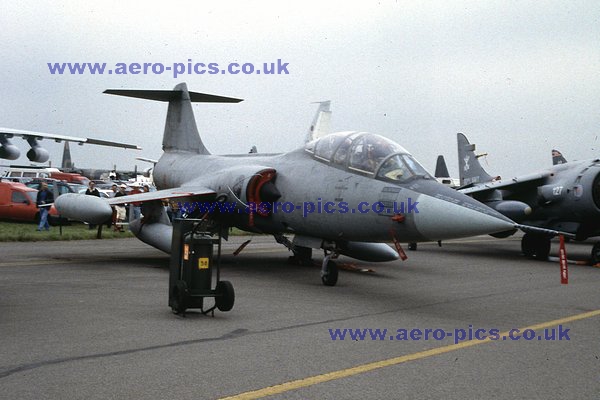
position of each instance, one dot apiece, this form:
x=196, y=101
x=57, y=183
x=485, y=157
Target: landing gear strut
x=302, y=255
x=535, y=246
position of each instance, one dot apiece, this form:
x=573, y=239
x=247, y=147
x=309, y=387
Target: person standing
x=92, y=191
x=44, y=201
x=121, y=211
x=136, y=207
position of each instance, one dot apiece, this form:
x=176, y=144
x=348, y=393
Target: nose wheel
x=329, y=271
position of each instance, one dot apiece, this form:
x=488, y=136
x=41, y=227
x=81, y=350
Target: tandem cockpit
x=367, y=154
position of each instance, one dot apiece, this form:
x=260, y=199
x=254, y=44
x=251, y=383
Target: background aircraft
x=37, y=153
x=350, y=167
x=564, y=197
x=68, y=165
x=442, y=174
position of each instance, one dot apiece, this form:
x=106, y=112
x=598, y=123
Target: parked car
x=62, y=187
x=18, y=203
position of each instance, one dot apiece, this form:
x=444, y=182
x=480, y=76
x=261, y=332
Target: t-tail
x=469, y=168
x=181, y=133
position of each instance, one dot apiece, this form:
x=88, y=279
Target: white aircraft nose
x=440, y=219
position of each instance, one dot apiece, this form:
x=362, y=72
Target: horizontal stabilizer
x=171, y=95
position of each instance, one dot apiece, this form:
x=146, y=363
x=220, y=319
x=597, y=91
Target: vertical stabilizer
x=441, y=170
x=67, y=163
x=469, y=168
x=321, y=123
x=181, y=132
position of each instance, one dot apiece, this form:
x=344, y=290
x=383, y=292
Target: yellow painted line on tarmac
x=360, y=369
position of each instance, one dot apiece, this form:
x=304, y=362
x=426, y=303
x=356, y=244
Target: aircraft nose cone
x=457, y=217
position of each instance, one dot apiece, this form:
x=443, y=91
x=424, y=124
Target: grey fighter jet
x=564, y=197
x=346, y=192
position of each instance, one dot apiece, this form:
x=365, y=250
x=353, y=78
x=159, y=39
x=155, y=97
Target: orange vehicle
x=70, y=177
x=18, y=202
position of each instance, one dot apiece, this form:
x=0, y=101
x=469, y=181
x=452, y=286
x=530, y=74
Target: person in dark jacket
x=44, y=201
x=92, y=191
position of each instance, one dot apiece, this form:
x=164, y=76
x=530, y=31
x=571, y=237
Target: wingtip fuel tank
x=81, y=207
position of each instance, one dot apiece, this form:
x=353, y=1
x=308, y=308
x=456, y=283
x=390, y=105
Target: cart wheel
x=226, y=296
x=179, y=297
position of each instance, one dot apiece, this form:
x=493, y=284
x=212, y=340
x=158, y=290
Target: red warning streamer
x=398, y=246
x=562, y=255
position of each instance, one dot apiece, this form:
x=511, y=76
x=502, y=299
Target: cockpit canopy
x=367, y=153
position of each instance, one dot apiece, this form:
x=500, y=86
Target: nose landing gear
x=329, y=270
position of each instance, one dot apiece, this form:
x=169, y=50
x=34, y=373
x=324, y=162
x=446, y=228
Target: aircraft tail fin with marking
x=181, y=133
x=321, y=123
x=557, y=157
x=469, y=168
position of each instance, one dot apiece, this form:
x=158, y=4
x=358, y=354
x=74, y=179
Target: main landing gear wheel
x=595, y=259
x=535, y=246
x=225, y=296
x=329, y=272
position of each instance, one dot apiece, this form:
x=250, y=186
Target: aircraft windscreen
x=402, y=167
x=327, y=145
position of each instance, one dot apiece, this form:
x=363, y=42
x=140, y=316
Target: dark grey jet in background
x=564, y=197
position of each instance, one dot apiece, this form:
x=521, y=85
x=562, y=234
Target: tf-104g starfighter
x=349, y=167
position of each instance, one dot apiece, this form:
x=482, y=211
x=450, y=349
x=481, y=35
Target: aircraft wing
x=187, y=191
x=9, y=133
x=514, y=184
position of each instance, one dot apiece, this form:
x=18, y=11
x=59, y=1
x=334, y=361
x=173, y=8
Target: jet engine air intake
x=262, y=189
x=8, y=150
x=37, y=153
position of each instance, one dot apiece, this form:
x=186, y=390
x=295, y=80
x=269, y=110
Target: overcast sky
x=518, y=78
